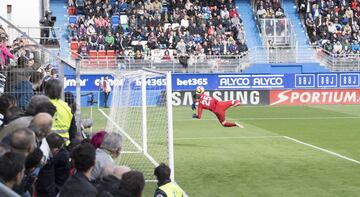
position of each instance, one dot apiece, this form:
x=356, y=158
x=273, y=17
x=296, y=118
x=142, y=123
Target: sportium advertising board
x=315, y=97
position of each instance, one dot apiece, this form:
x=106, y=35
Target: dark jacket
x=53, y=175
x=80, y=185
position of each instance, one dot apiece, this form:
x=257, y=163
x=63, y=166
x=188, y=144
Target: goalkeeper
x=217, y=107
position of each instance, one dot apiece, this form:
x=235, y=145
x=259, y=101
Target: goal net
x=141, y=111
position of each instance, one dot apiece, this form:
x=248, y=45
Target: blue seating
x=72, y=19
x=115, y=20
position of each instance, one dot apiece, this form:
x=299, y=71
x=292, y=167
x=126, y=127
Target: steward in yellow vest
x=63, y=118
x=166, y=188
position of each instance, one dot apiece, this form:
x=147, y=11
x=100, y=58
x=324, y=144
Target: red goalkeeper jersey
x=206, y=102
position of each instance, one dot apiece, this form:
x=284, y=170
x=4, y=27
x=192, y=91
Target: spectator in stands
x=79, y=184
x=138, y=55
x=33, y=164
x=109, y=150
x=101, y=42
x=41, y=125
x=16, y=121
x=97, y=139
x=83, y=49
x=181, y=47
x=35, y=104
x=338, y=48
x=63, y=123
x=152, y=41
x=115, y=170
x=22, y=141
x=166, y=55
x=72, y=32
x=109, y=41
x=5, y=55
x=166, y=188
x=55, y=172
x=4, y=148
x=147, y=20
x=355, y=47
x=6, y=101
x=24, y=90
x=133, y=182
x=11, y=169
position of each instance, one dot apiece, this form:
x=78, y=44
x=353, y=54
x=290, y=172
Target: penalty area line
x=322, y=149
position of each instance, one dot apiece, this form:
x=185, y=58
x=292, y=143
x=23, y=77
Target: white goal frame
x=143, y=149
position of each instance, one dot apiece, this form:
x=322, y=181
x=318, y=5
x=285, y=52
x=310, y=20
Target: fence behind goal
x=141, y=111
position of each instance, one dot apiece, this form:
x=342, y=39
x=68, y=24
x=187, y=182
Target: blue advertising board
x=184, y=82
x=266, y=82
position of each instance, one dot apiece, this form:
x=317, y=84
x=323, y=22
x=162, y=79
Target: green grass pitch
x=319, y=157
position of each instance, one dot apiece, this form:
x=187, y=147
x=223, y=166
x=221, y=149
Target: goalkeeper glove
x=193, y=106
x=194, y=116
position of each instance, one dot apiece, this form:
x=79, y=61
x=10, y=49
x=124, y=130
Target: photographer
x=47, y=22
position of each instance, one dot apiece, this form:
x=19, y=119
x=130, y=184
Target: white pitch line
x=281, y=118
x=226, y=138
x=322, y=149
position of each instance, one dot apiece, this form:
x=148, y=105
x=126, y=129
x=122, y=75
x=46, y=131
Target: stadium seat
x=111, y=60
x=72, y=19
x=115, y=20
x=93, y=58
x=71, y=11
x=102, y=54
x=74, y=45
x=110, y=53
x=124, y=19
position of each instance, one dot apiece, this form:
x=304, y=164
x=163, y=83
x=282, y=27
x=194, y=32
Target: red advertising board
x=315, y=97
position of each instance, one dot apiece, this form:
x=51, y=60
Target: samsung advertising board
x=246, y=97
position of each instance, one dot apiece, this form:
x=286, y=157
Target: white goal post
x=141, y=110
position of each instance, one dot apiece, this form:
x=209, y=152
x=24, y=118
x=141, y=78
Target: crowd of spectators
x=271, y=21
x=332, y=25
x=41, y=153
x=269, y=9
x=177, y=27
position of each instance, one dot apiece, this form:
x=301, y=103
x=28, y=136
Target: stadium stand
x=332, y=25
x=138, y=27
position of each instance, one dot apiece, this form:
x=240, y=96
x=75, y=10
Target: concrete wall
x=25, y=13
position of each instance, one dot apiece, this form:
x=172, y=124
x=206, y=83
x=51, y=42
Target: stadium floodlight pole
x=144, y=115
x=170, y=124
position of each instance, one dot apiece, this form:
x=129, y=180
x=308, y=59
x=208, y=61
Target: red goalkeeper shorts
x=221, y=108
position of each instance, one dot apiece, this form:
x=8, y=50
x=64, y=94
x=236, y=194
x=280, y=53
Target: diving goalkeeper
x=217, y=107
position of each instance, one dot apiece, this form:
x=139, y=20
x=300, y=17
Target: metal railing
x=48, y=36
x=192, y=63
x=338, y=62
x=225, y=63
x=282, y=54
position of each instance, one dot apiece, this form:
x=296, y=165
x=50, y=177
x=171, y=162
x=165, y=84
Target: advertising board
x=315, y=97
x=246, y=97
